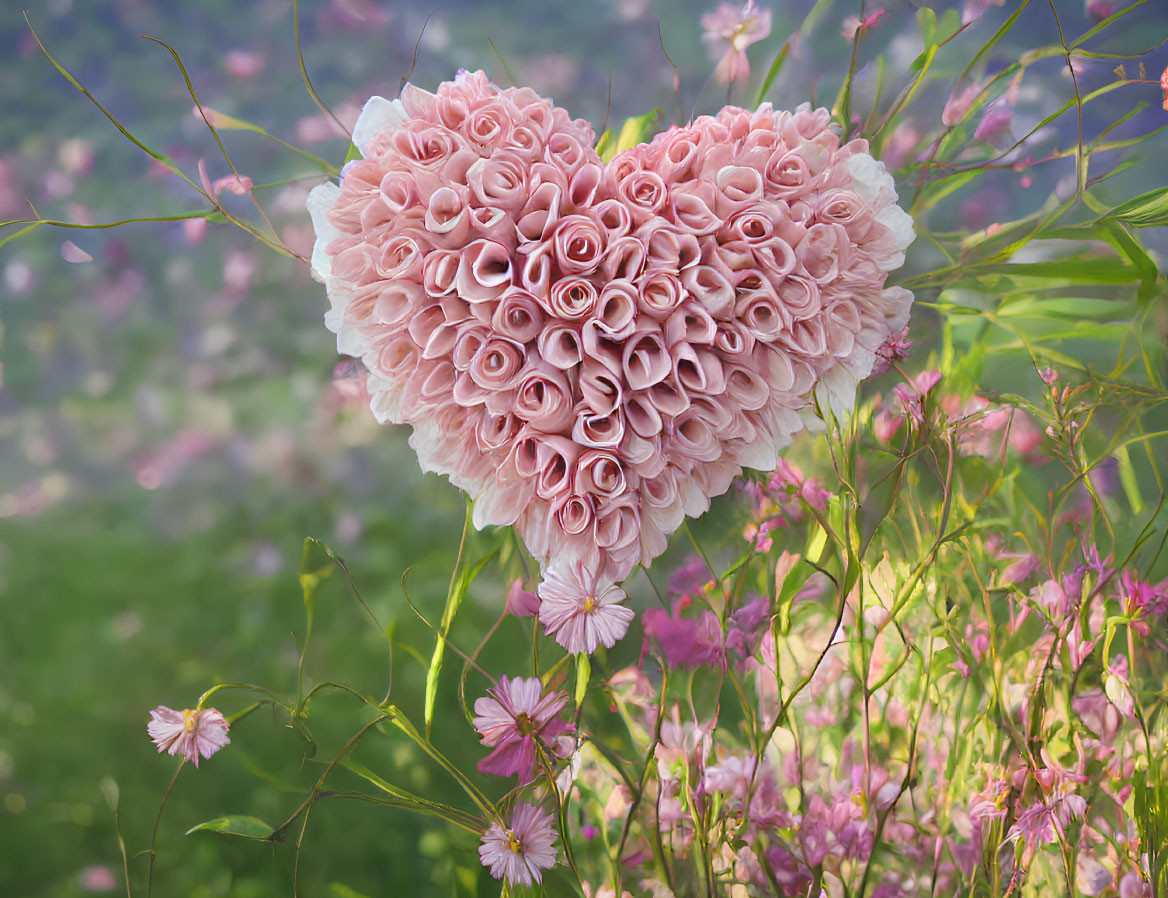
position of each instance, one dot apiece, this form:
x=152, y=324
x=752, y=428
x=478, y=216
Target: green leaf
x=1079, y=271
x=583, y=672
x=634, y=131
x=236, y=825
x=458, y=589
x=1148, y=210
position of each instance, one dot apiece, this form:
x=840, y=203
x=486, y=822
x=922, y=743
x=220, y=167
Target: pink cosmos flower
x=511, y=717
x=188, y=733
x=522, y=602
x=521, y=852
x=729, y=31
x=582, y=610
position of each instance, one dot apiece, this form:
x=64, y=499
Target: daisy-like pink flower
x=582, y=610
x=729, y=31
x=523, y=851
x=188, y=733
x=510, y=717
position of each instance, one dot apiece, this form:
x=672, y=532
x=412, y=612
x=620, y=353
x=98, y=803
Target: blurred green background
x=174, y=418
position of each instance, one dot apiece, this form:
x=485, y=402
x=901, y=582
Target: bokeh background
x=174, y=418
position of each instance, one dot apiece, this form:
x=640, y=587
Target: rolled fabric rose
x=690, y=323
x=599, y=472
x=559, y=345
x=573, y=514
x=448, y=216
x=600, y=387
x=616, y=310
x=497, y=364
x=692, y=206
x=440, y=271
x=624, y=259
x=599, y=431
x=572, y=298
x=540, y=213
x=543, y=399
x=518, y=315
x=499, y=180
x=659, y=293
x=710, y=288
x=579, y=245
x=645, y=360
x=643, y=192
x=484, y=271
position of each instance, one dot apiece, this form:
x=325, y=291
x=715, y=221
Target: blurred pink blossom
x=243, y=63
x=97, y=878
x=973, y=9
x=853, y=24
x=71, y=252
x=728, y=31
x=685, y=642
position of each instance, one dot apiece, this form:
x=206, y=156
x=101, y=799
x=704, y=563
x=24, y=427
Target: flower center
x=514, y=842
x=524, y=724
x=590, y=604
x=189, y=720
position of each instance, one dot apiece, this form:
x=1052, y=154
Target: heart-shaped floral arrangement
x=593, y=350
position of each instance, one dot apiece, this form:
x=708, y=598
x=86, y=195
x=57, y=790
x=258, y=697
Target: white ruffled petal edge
x=378, y=114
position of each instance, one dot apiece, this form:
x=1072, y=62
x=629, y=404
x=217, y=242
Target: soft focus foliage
x=925, y=655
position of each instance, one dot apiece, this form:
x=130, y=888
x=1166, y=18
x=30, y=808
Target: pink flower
x=521, y=602
x=71, y=252
x=98, y=878
x=188, y=733
x=582, y=610
x=994, y=127
x=1101, y=9
x=237, y=184
x=685, y=642
x=853, y=24
x=959, y=104
x=243, y=63
x=729, y=31
x=524, y=850
x=973, y=9
x=511, y=717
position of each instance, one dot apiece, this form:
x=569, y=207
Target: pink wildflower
x=893, y=349
x=684, y=641
x=1164, y=86
x=233, y=183
x=1101, y=9
x=974, y=9
x=912, y=394
x=853, y=24
x=958, y=104
x=522, y=602
x=994, y=127
x=243, y=63
x=188, y=733
x=582, y=610
x=98, y=878
x=729, y=31
x=1045, y=821
x=71, y=252
x=524, y=850
x=511, y=717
